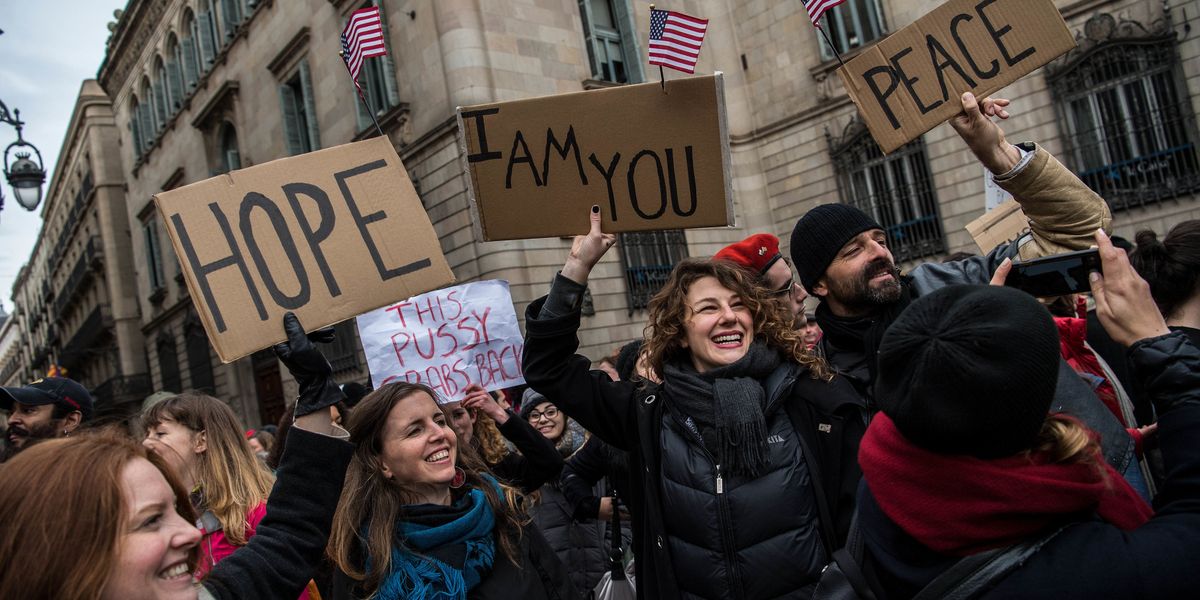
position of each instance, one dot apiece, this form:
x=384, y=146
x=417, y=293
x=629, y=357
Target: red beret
x=757, y=252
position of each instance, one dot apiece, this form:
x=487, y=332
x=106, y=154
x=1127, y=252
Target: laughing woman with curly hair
x=741, y=450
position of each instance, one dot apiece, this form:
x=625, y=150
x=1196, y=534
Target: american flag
x=816, y=8
x=675, y=39
x=362, y=38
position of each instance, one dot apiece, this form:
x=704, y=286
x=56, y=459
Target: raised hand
x=587, y=250
x=1123, y=301
x=983, y=136
x=310, y=368
x=479, y=398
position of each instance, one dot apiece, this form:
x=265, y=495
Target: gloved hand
x=310, y=368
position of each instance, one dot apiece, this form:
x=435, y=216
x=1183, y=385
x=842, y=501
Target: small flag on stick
x=816, y=8
x=362, y=38
x=675, y=39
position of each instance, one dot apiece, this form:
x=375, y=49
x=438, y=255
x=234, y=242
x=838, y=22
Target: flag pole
x=362, y=96
x=830, y=42
x=662, y=78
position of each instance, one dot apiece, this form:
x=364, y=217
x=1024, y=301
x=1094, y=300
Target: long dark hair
x=377, y=503
x=1172, y=266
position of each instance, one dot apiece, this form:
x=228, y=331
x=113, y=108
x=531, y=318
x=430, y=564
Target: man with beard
x=47, y=408
x=841, y=255
x=760, y=255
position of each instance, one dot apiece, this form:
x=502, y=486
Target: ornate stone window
x=610, y=35
x=896, y=190
x=1130, y=130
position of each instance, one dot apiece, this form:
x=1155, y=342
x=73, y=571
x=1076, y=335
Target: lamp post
x=23, y=174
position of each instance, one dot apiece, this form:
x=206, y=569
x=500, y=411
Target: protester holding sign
x=421, y=517
x=730, y=492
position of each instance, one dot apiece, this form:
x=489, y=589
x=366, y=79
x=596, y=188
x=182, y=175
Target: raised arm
x=551, y=365
x=538, y=461
x=1063, y=212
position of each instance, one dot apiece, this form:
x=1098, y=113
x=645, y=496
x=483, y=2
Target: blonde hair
x=232, y=478
x=669, y=313
x=487, y=439
x=1065, y=440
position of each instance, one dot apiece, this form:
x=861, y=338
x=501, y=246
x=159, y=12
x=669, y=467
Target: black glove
x=310, y=368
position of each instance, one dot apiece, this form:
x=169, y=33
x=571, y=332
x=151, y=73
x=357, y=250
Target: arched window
x=231, y=17
x=149, y=118
x=175, y=87
x=162, y=87
x=210, y=30
x=202, y=32
x=230, y=157
x=135, y=113
x=1131, y=132
x=189, y=51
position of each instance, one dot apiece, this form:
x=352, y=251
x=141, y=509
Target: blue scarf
x=417, y=575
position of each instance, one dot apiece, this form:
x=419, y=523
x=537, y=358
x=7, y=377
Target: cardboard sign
x=1001, y=225
x=911, y=81
x=447, y=340
x=651, y=159
x=328, y=235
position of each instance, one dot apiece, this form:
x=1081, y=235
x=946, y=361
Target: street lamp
x=25, y=176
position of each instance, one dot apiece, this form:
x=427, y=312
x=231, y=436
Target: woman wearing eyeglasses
x=580, y=542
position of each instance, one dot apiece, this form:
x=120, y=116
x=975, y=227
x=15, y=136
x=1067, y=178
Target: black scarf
x=863, y=334
x=726, y=404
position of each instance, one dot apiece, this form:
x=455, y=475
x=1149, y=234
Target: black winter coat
x=633, y=420
x=582, y=545
x=535, y=463
x=283, y=555
x=1093, y=559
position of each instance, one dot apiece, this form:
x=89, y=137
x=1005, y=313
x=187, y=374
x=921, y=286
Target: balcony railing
x=80, y=275
x=121, y=396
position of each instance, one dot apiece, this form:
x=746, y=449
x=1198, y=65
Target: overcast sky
x=46, y=51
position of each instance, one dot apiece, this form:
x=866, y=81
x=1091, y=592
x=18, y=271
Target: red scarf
x=961, y=505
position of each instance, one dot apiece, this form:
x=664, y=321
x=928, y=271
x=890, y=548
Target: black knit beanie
x=820, y=233
x=970, y=369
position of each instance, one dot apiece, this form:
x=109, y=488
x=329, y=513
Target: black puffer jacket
x=1093, y=559
x=635, y=420
x=582, y=545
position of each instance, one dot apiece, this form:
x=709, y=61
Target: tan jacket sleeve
x=1063, y=212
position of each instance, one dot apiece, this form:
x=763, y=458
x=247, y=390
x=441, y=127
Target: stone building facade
x=75, y=300
x=200, y=87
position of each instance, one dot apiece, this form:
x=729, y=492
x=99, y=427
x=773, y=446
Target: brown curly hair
x=669, y=312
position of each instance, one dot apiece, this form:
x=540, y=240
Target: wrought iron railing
x=1131, y=131
x=80, y=274
x=648, y=258
x=896, y=190
x=121, y=395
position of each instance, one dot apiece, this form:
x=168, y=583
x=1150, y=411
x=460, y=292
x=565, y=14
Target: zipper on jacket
x=723, y=514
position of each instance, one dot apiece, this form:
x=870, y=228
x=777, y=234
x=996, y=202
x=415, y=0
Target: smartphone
x=1055, y=275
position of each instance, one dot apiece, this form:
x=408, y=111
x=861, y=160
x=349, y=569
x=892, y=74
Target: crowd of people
x=923, y=433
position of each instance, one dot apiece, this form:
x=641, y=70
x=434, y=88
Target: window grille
x=896, y=190
x=648, y=258
x=1130, y=128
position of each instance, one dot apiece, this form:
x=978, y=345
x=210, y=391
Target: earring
x=460, y=477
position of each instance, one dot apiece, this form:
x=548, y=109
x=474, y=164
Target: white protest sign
x=994, y=195
x=446, y=339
